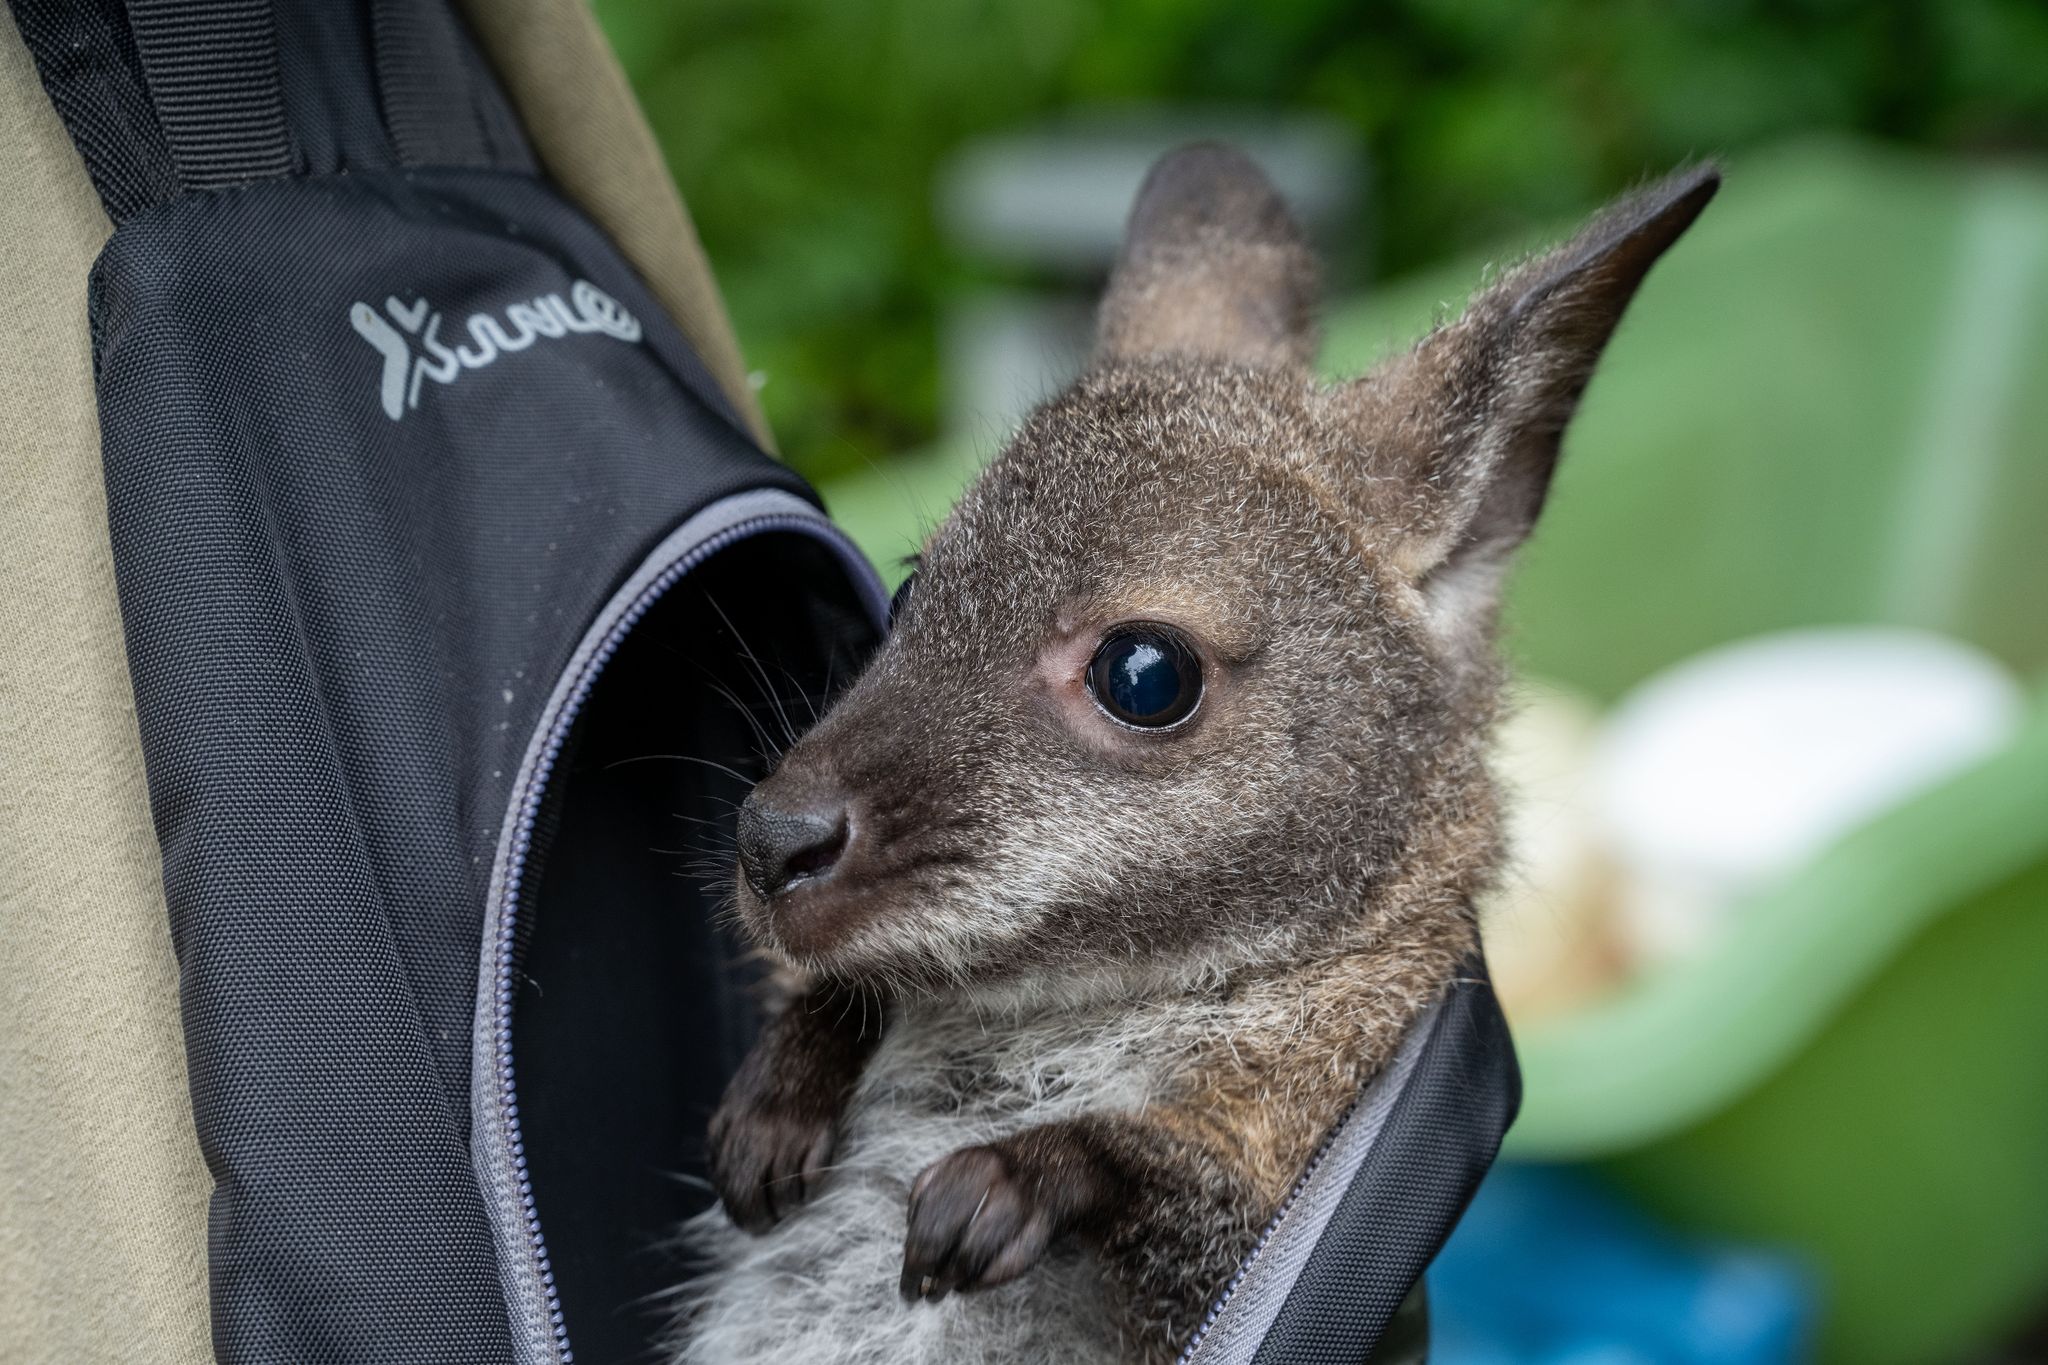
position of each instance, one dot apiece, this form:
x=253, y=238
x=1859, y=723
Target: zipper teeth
x=1251, y=1257
x=529, y=814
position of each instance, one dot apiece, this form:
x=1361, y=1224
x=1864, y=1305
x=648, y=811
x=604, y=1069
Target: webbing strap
x=86, y=59
x=166, y=97
x=212, y=72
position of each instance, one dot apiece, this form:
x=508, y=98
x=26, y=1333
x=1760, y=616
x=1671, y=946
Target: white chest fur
x=821, y=1286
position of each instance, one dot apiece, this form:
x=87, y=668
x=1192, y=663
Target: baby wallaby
x=1158, y=817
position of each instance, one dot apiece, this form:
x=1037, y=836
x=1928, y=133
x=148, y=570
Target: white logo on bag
x=589, y=309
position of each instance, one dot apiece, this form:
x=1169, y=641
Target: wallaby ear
x=1474, y=415
x=1213, y=267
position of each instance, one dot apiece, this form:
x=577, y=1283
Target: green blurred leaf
x=805, y=133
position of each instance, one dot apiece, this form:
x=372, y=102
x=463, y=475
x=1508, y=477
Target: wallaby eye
x=1146, y=676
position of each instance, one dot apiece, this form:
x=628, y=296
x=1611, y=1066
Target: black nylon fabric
x=327, y=65
x=1438, y=1142
x=342, y=625
x=86, y=59
x=422, y=82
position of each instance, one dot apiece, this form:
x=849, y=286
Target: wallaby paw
x=768, y=1155
x=976, y=1220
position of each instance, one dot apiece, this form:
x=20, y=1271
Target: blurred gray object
x=1050, y=204
x=1056, y=198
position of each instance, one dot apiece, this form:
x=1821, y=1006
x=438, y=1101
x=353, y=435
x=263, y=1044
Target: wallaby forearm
x=774, y=1131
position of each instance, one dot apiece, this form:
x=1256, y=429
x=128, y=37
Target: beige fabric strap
x=102, y=1189
x=588, y=132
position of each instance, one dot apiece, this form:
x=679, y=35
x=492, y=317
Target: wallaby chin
x=1157, y=819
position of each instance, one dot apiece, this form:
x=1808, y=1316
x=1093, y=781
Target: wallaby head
x=1200, y=671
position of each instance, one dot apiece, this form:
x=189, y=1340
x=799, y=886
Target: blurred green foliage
x=805, y=133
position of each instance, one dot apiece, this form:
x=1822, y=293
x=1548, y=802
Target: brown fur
x=1291, y=871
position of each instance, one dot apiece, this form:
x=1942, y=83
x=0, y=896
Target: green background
x=805, y=133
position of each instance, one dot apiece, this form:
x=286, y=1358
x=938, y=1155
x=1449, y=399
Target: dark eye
x=1146, y=676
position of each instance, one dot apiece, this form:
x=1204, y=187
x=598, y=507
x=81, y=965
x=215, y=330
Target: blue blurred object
x=1548, y=1268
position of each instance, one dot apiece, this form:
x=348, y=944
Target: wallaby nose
x=779, y=848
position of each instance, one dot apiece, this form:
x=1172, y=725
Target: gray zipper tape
x=538, y=1334
x=1247, y=1309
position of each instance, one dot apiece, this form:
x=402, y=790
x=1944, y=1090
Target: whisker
x=761, y=673
x=682, y=758
x=767, y=751
x=702, y=820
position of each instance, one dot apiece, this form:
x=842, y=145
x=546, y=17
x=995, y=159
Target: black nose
x=779, y=848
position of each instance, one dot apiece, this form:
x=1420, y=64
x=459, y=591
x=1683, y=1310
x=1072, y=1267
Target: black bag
x=457, y=604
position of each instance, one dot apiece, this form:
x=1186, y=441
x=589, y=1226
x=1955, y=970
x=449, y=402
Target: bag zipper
x=1395, y=1073
x=529, y=1281
x=1251, y=1257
